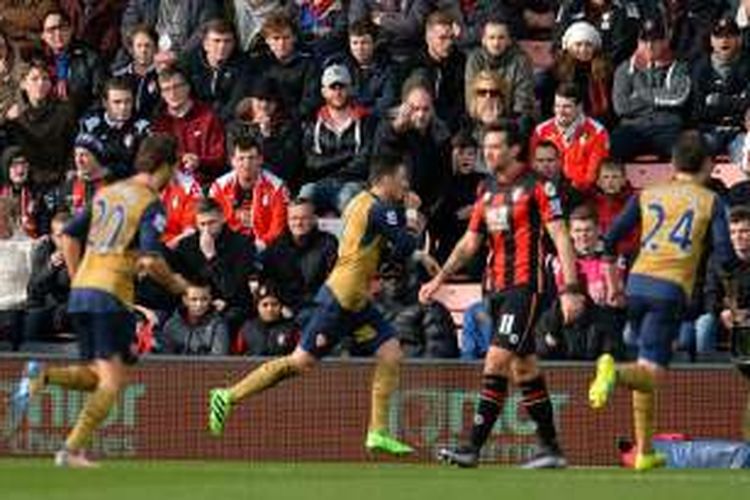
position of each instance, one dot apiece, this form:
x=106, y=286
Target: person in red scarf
x=649, y=95
x=18, y=187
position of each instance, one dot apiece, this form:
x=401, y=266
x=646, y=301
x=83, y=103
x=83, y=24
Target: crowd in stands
x=278, y=106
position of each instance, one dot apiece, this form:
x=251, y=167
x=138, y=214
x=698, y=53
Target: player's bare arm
x=156, y=267
x=464, y=250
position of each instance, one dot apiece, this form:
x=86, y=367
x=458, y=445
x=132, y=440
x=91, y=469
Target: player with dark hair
x=679, y=220
x=121, y=232
x=512, y=212
x=372, y=221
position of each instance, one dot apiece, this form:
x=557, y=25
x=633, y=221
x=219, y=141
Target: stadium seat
x=540, y=52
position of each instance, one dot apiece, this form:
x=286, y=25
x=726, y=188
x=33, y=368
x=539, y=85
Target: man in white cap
x=337, y=142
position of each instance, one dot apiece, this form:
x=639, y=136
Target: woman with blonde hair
x=582, y=61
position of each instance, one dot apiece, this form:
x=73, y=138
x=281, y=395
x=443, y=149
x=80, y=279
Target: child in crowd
x=196, y=328
x=612, y=193
x=598, y=329
x=270, y=333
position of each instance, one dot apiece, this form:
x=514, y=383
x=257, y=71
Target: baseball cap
x=652, y=29
x=336, y=73
x=725, y=27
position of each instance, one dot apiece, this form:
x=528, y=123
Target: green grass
x=140, y=480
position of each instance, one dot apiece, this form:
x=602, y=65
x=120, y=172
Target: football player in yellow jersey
x=122, y=236
x=680, y=221
x=372, y=220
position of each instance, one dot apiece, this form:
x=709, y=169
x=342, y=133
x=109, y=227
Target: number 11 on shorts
x=506, y=324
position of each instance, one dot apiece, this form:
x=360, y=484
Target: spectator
x=221, y=257
x=249, y=18
x=10, y=93
x=373, y=84
x=21, y=20
x=442, y=64
x=721, y=88
x=116, y=126
x=18, y=187
x=728, y=295
x=75, y=70
x=299, y=261
x=582, y=141
x=322, y=26
x=295, y=73
x=45, y=126
x=180, y=198
x=582, y=62
x=546, y=161
x=15, y=271
x=195, y=329
x=616, y=20
x=263, y=117
x=216, y=68
x=598, y=329
x=740, y=11
x=415, y=133
x=486, y=106
x=269, y=333
x=141, y=70
x=400, y=24
x=424, y=330
x=77, y=191
x=199, y=132
x=97, y=24
x=49, y=285
x=254, y=201
x=690, y=22
x=337, y=143
x=739, y=148
x=612, y=194
x=649, y=94
x=499, y=53
x=452, y=218
x=177, y=23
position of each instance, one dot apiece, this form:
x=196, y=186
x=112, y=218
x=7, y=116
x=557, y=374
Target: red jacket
x=199, y=132
x=608, y=207
x=180, y=198
x=582, y=155
x=260, y=212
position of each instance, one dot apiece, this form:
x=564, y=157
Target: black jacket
x=729, y=97
x=297, y=79
x=298, y=271
x=270, y=339
x=221, y=87
x=447, y=80
x=427, y=156
x=86, y=75
x=48, y=285
x=342, y=156
x=120, y=143
x=228, y=272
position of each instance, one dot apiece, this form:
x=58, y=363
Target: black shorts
x=104, y=335
x=514, y=313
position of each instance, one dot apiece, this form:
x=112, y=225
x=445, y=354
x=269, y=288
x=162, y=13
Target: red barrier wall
x=323, y=416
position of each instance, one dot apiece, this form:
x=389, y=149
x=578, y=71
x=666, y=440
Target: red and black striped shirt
x=512, y=215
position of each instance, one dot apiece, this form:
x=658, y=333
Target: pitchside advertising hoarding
x=162, y=414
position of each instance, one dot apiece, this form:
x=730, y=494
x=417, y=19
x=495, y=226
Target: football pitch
x=22, y=479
